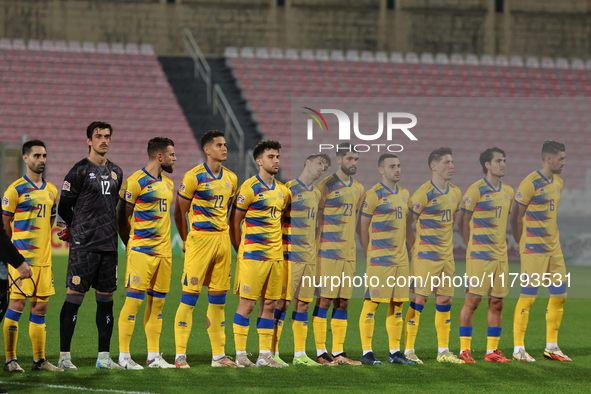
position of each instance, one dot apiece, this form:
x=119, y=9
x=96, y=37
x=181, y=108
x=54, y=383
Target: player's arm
x=410, y=233
x=181, y=208
x=236, y=219
x=124, y=212
x=70, y=191
x=363, y=230
x=464, y=225
x=416, y=204
x=7, y=221
x=517, y=214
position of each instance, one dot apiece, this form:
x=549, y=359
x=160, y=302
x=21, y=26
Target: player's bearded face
x=168, y=160
x=36, y=159
x=349, y=163
x=270, y=161
x=557, y=162
x=101, y=141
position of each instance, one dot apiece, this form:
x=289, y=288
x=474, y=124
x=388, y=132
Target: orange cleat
x=497, y=357
x=466, y=355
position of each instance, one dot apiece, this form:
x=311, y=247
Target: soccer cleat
x=159, y=362
x=523, y=356
x=181, y=362
x=44, y=365
x=224, y=362
x=399, y=358
x=370, y=359
x=242, y=361
x=556, y=354
x=128, y=363
x=65, y=362
x=413, y=357
x=466, y=355
x=267, y=360
x=325, y=359
x=497, y=357
x=104, y=362
x=305, y=360
x=448, y=357
x=280, y=361
x=12, y=366
x=343, y=359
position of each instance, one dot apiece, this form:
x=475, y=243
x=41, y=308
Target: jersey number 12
x=106, y=185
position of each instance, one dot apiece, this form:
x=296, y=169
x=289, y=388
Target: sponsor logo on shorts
x=136, y=280
x=50, y=195
x=454, y=199
x=113, y=175
x=506, y=196
x=283, y=290
x=519, y=195
x=416, y=205
x=241, y=199
x=128, y=195
x=467, y=200
x=66, y=186
x=183, y=187
x=323, y=289
x=194, y=281
x=5, y=201
x=76, y=280
x=246, y=289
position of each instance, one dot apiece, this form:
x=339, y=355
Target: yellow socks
x=277, y=330
x=520, y=319
x=394, y=325
x=217, y=324
x=265, y=330
x=11, y=332
x=554, y=318
x=338, y=325
x=319, y=320
x=492, y=338
x=465, y=338
x=443, y=324
x=133, y=301
x=153, y=320
x=367, y=323
x=183, y=321
x=38, y=335
x=299, y=325
x=241, y=332
x=413, y=315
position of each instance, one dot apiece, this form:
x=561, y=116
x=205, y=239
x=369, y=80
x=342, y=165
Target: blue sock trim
x=189, y=299
x=443, y=308
x=217, y=299
x=13, y=315
x=417, y=307
x=466, y=331
x=494, y=332
x=277, y=314
x=37, y=319
x=555, y=290
x=529, y=290
x=139, y=296
x=241, y=320
x=266, y=324
x=321, y=312
x=315, y=312
x=299, y=316
x=155, y=294
x=337, y=314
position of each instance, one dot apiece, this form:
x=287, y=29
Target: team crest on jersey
x=416, y=205
x=169, y=187
x=467, y=200
x=519, y=195
x=92, y=176
x=50, y=195
x=280, y=195
x=136, y=279
x=241, y=199
x=128, y=195
x=246, y=289
x=183, y=187
x=66, y=186
x=454, y=199
x=557, y=189
x=365, y=204
x=227, y=185
x=404, y=200
x=357, y=193
x=506, y=197
x=113, y=175
x=194, y=281
x=76, y=280
x=375, y=293
x=5, y=201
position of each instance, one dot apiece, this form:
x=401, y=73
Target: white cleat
x=104, y=362
x=159, y=362
x=128, y=363
x=65, y=362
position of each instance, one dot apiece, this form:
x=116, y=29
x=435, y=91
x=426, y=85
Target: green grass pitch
x=542, y=376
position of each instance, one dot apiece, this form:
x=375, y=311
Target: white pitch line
x=56, y=386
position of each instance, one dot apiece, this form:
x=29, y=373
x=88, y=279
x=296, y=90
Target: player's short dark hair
x=487, y=156
x=551, y=148
x=208, y=137
x=158, y=144
x=97, y=124
x=323, y=156
x=386, y=156
x=27, y=146
x=263, y=146
x=343, y=148
x=437, y=154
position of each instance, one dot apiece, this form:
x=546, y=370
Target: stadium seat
x=352, y=56
x=307, y=54
x=88, y=47
x=396, y=57
x=322, y=54
x=427, y=58
x=276, y=53
x=5, y=44
x=411, y=58
x=456, y=59
x=231, y=52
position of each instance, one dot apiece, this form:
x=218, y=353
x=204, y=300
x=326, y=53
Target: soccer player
x=300, y=254
x=143, y=219
x=537, y=200
x=340, y=199
x=88, y=206
x=260, y=204
x=483, y=225
x=206, y=194
x=29, y=210
x=434, y=207
x=382, y=234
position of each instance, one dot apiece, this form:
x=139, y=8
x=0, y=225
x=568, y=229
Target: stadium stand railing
x=52, y=91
